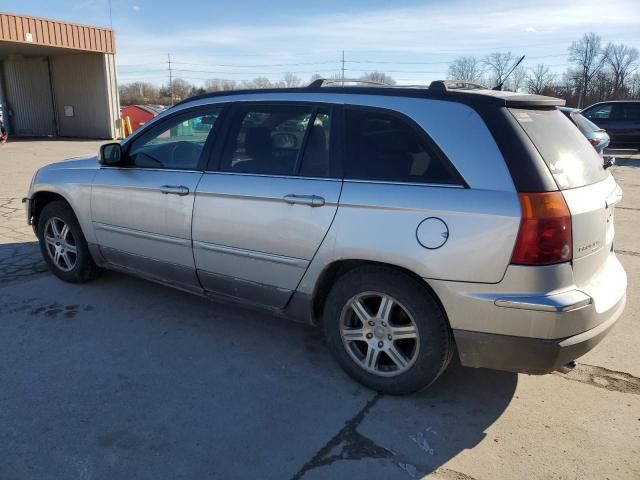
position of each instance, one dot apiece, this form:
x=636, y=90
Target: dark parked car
x=621, y=119
x=597, y=136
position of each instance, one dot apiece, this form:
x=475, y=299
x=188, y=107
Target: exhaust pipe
x=567, y=367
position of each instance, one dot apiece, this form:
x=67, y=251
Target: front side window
x=278, y=140
x=603, y=111
x=176, y=143
x=385, y=146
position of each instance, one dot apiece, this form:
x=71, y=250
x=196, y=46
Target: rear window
x=573, y=162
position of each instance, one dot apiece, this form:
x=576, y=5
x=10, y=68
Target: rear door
x=263, y=208
x=630, y=131
x=589, y=190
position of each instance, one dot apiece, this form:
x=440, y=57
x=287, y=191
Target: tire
x=422, y=359
x=78, y=267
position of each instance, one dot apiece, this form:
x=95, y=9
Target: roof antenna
x=499, y=86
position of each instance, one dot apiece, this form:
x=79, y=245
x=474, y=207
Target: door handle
x=310, y=200
x=175, y=189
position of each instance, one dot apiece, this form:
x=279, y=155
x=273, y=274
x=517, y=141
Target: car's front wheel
x=387, y=330
x=63, y=245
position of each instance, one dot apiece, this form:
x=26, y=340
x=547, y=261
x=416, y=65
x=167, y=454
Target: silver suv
x=406, y=222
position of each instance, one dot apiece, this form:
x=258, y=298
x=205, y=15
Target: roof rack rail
x=446, y=85
x=320, y=82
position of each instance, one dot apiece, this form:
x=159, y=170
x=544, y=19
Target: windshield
x=572, y=161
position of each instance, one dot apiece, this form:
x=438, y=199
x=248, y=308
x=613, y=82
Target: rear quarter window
x=572, y=161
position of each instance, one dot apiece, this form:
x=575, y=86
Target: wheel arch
x=42, y=198
x=338, y=268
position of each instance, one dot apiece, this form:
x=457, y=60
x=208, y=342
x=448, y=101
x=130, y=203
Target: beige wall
x=87, y=83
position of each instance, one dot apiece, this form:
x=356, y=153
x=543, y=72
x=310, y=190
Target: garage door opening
x=57, y=79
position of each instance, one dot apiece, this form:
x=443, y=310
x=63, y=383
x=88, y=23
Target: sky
x=413, y=41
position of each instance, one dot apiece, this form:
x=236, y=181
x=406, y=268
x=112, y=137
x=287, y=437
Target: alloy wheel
x=379, y=334
x=60, y=244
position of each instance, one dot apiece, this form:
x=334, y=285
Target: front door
x=262, y=213
x=141, y=211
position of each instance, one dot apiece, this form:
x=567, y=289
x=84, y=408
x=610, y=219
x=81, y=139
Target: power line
x=264, y=65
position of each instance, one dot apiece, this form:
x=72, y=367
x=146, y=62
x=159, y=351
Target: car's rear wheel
x=387, y=330
x=63, y=245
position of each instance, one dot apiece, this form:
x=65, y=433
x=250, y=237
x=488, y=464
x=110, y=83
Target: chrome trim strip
x=145, y=169
x=288, y=177
x=558, y=303
x=142, y=234
x=415, y=184
x=248, y=196
x=241, y=252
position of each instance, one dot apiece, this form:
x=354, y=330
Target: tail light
x=544, y=237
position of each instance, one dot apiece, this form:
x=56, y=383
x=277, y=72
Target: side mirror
x=110, y=154
x=609, y=162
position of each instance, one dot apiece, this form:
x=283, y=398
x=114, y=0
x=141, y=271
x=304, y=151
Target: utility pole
x=110, y=16
x=170, y=78
x=342, y=68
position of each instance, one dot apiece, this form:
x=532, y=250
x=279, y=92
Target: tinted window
x=266, y=139
x=603, y=111
x=176, y=143
x=631, y=111
x=384, y=146
x=572, y=161
x=315, y=162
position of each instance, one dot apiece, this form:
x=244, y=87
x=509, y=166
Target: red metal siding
x=137, y=115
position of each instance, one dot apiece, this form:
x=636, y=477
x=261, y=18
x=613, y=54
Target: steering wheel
x=185, y=150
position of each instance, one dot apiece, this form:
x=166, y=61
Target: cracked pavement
x=122, y=378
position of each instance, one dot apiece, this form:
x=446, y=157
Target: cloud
x=431, y=32
x=136, y=8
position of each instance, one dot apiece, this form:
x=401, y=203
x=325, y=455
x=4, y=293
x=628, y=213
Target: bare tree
x=517, y=79
x=538, y=79
x=623, y=61
x=379, y=77
x=314, y=77
x=219, y=85
x=468, y=69
x=138, y=93
x=633, y=86
x=498, y=65
x=181, y=89
x=586, y=54
x=290, y=80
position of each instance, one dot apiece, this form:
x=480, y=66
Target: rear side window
x=572, y=161
x=385, y=146
x=631, y=111
x=266, y=139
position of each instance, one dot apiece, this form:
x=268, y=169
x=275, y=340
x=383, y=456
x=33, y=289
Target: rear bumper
x=530, y=355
